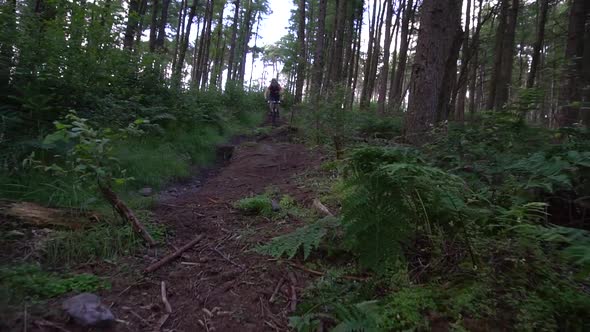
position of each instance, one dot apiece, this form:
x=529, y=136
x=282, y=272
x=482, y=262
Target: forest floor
x=219, y=284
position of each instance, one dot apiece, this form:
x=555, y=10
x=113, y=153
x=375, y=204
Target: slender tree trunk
x=184, y=46
x=398, y=81
x=542, y=18
x=385, y=67
x=502, y=93
x=460, y=110
x=204, y=62
x=219, y=51
x=232, y=45
x=302, y=53
x=365, y=93
x=437, y=38
x=179, y=31
x=318, y=63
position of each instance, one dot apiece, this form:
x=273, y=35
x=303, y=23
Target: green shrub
x=30, y=283
x=257, y=205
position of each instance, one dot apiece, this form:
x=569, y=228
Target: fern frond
x=306, y=238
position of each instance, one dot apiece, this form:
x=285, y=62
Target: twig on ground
x=272, y=298
x=162, y=321
x=293, y=291
x=173, y=256
x=145, y=322
x=43, y=322
x=321, y=274
x=165, y=298
x=228, y=259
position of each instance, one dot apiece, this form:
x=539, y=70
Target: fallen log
x=126, y=213
x=173, y=255
x=37, y=215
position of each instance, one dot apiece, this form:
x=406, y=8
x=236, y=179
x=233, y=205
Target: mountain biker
x=273, y=94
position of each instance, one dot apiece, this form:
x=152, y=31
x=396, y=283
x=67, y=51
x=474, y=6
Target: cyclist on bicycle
x=273, y=94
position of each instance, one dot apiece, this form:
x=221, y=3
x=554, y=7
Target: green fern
x=307, y=237
x=386, y=198
x=360, y=317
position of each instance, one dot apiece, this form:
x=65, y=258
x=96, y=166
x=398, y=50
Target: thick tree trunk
x=302, y=53
x=154, y=25
x=504, y=53
x=132, y=20
x=572, y=95
x=439, y=27
x=162, y=26
x=503, y=87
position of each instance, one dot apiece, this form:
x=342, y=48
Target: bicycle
x=274, y=111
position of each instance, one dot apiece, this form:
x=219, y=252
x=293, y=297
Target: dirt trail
x=219, y=285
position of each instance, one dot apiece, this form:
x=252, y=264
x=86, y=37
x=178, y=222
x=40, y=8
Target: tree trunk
x=437, y=38
x=398, y=81
x=184, y=46
x=232, y=45
x=571, y=96
x=503, y=87
x=460, y=110
x=504, y=53
x=219, y=51
x=154, y=25
x=542, y=18
x=302, y=52
x=318, y=63
x=385, y=67
x=132, y=20
x=162, y=26
x=365, y=93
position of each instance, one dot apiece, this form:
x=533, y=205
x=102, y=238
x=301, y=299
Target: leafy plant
x=30, y=283
x=257, y=205
x=306, y=238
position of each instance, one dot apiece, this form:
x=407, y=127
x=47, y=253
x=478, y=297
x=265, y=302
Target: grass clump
x=103, y=241
x=29, y=282
x=256, y=205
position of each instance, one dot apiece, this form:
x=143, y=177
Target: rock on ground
x=87, y=310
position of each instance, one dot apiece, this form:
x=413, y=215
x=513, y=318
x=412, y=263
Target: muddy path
x=220, y=284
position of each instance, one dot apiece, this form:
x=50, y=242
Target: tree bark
x=302, y=53
x=365, y=93
x=318, y=63
x=132, y=20
x=398, y=81
x=385, y=67
x=184, y=46
x=162, y=26
x=232, y=45
x=439, y=27
x=460, y=110
x=154, y=25
x=571, y=96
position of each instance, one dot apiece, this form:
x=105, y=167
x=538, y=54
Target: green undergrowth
x=30, y=283
x=466, y=232
x=271, y=205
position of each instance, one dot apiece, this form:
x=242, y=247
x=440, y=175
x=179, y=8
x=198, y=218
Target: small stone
x=87, y=310
x=146, y=192
x=275, y=205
